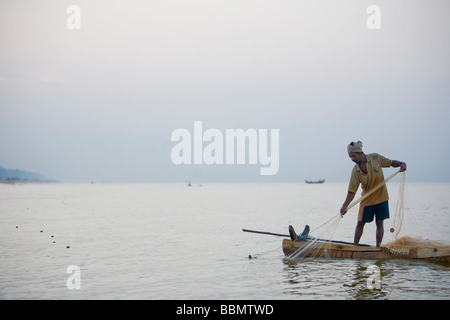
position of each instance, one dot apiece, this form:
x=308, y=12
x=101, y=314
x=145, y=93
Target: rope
x=351, y=205
x=336, y=216
x=312, y=244
x=399, y=210
x=354, y=203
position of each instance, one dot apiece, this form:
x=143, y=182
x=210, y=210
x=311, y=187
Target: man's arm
x=396, y=164
x=348, y=199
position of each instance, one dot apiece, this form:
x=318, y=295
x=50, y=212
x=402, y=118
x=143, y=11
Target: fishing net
x=413, y=247
x=419, y=248
x=318, y=246
x=399, y=210
x=407, y=242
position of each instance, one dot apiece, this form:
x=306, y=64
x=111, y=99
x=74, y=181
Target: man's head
x=355, y=151
x=355, y=147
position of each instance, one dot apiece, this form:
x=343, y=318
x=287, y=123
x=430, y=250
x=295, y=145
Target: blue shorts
x=379, y=211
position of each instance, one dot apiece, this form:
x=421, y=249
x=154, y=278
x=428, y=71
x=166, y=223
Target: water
x=170, y=241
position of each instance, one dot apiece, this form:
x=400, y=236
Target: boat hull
x=322, y=249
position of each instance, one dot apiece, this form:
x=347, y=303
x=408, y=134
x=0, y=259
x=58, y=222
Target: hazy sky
x=100, y=103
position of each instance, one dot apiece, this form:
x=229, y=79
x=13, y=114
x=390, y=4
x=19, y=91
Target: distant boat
x=317, y=181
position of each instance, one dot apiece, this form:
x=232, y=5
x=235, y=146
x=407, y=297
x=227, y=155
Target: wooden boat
x=340, y=249
x=317, y=181
x=303, y=245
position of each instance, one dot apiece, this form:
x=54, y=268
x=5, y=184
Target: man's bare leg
x=358, y=232
x=380, y=232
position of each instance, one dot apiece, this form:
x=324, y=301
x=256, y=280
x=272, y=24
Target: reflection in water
x=367, y=280
x=166, y=241
x=312, y=278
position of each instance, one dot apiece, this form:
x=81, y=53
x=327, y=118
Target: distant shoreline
x=18, y=181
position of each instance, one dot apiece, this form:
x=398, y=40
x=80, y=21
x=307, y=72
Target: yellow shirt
x=374, y=175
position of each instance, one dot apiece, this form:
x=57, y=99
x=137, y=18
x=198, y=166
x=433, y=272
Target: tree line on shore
x=19, y=175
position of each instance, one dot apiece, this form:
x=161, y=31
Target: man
x=369, y=173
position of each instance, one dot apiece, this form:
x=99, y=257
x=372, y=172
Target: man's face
x=355, y=157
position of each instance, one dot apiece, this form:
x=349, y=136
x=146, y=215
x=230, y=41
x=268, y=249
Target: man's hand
x=402, y=167
x=396, y=164
x=348, y=200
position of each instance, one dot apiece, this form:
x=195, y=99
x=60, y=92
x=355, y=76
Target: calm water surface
x=170, y=241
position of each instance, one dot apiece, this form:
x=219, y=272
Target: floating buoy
x=392, y=230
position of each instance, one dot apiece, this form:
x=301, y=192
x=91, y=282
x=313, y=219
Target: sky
x=99, y=103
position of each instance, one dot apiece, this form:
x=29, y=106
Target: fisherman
x=368, y=172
